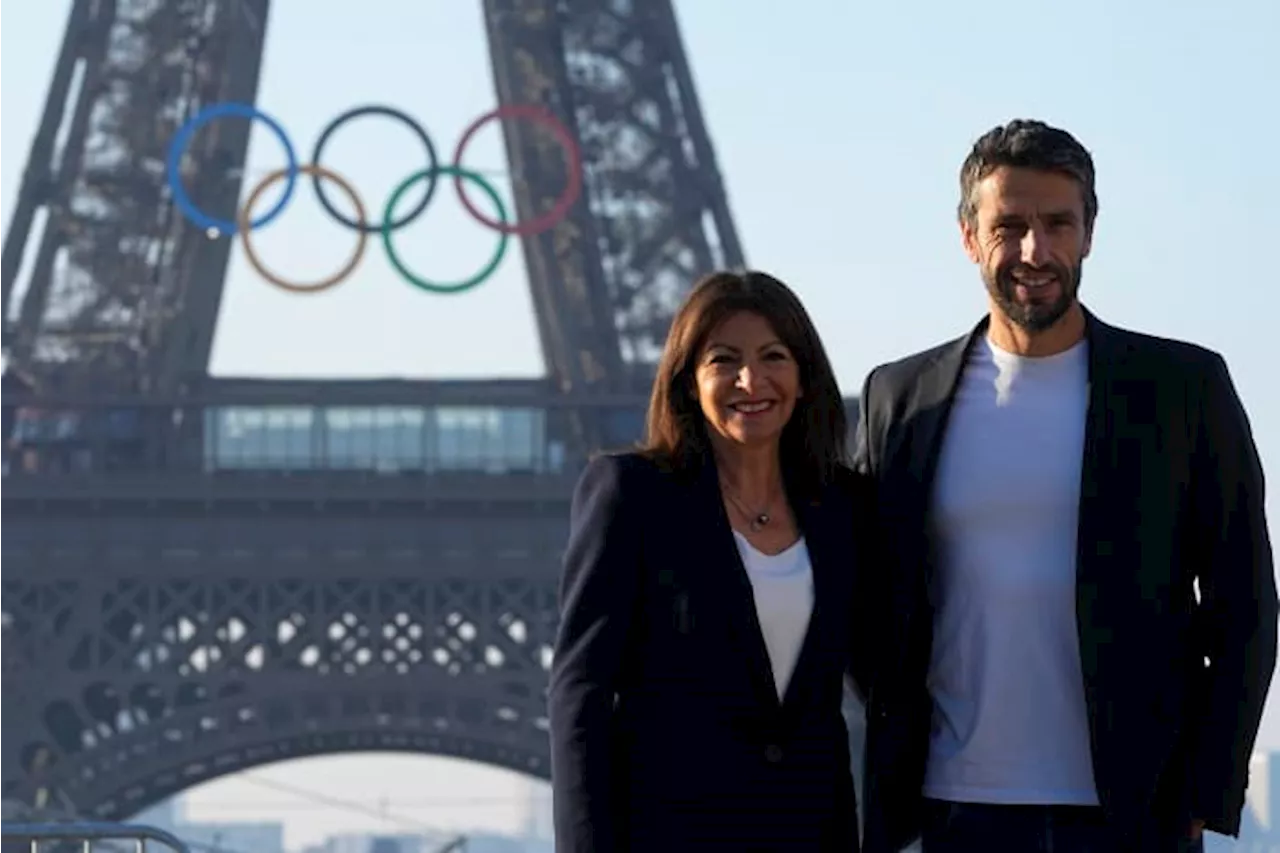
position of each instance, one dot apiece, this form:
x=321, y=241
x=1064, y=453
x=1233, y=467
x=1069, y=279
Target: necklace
x=757, y=521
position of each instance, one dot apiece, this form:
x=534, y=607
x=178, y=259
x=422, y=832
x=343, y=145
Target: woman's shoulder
x=626, y=462
x=623, y=482
x=629, y=469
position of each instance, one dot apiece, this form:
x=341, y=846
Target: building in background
x=220, y=837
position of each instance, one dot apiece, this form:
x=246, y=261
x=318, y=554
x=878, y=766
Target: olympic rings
x=459, y=174
x=573, y=165
x=182, y=139
x=245, y=227
x=433, y=162
x=245, y=223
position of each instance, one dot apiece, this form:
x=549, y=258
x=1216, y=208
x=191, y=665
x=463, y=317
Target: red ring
x=573, y=158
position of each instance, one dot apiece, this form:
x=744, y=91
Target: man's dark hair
x=1027, y=144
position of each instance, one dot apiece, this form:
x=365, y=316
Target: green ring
x=445, y=287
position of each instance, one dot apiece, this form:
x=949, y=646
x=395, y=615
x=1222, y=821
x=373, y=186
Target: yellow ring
x=244, y=224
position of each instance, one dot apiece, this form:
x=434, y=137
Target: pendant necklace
x=756, y=521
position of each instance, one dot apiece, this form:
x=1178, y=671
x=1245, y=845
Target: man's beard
x=1034, y=316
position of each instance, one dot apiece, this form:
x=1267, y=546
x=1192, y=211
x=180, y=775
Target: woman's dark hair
x=814, y=441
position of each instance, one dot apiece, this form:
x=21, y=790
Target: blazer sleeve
x=863, y=459
x=1238, y=610
x=597, y=598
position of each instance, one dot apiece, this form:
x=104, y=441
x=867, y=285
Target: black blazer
x=666, y=729
x=1172, y=492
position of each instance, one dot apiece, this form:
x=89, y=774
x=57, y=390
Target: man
x=1081, y=596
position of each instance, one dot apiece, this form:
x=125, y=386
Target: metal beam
x=123, y=291
x=655, y=216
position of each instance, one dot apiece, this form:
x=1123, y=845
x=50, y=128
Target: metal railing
x=86, y=833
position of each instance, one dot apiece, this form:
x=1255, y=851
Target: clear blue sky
x=839, y=129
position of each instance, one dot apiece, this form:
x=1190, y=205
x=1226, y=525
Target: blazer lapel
x=1108, y=359
x=919, y=439
x=827, y=555
x=721, y=557
x=928, y=410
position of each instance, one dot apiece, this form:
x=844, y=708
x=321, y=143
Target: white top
x=783, y=588
x=1010, y=723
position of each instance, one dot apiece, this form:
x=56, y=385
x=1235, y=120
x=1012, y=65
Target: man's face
x=1029, y=239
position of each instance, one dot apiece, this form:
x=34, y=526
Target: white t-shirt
x=1010, y=722
x=783, y=587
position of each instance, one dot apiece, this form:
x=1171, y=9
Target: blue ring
x=182, y=139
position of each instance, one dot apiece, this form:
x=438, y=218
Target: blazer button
x=773, y=753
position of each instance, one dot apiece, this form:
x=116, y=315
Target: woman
x=706, y=624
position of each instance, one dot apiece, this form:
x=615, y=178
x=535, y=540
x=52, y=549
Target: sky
x=839, y=129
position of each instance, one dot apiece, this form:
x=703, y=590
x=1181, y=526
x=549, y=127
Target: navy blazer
x=667, y=733
x=1171, y=498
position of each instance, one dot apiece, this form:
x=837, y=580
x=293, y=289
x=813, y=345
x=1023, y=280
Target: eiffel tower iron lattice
x=123, y=291
x=204, y=574
x=177, y=681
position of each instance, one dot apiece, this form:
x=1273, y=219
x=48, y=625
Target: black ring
x=434, y=164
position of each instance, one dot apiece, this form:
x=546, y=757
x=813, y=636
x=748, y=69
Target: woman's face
x=747, y=381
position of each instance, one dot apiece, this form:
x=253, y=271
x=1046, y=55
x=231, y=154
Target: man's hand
x=1195, y=830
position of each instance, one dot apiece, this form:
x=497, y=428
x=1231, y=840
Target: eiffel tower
x=205, y=574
